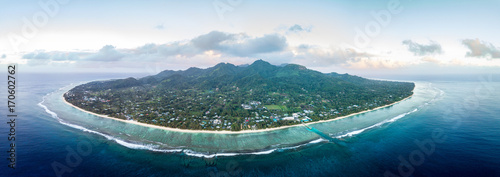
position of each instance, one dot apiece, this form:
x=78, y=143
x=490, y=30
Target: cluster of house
x=219, y=122
x=251, y=105
x=95, y=99
x=299, y=116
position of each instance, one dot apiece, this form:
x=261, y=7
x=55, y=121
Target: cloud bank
x=422, y=49
x=212, y=48
x=297, y=28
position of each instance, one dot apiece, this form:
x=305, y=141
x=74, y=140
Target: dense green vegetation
x=229, y=97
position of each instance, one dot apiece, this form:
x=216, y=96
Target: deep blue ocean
x=457, y=134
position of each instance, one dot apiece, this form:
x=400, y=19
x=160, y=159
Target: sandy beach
x=225, y=131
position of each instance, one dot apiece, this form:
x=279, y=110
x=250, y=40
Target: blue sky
x=359, y=37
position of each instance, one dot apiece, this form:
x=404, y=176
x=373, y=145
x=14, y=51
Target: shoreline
x=226, y=131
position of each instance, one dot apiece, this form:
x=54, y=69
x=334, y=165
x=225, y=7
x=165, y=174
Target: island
x=227, y=97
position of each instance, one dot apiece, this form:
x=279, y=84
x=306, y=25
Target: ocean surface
x=450, y=127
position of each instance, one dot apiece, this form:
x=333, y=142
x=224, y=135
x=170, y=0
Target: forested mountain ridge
x=229, y=97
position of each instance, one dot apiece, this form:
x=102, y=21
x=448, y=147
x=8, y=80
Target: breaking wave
x=355, y=132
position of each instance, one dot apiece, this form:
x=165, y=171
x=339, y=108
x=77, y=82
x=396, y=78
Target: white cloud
x=317, y=56
x=107, y=53
x=251, y=46
x=212, y=40
x=232, y=45
x=37, y=55
x=214, y=47
x=431, y=59
x=370, y=63
x=423, y=49
x=298, y=28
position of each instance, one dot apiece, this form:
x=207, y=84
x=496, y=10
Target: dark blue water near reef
x=457, y=134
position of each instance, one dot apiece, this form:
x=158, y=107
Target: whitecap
x=356, y=132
